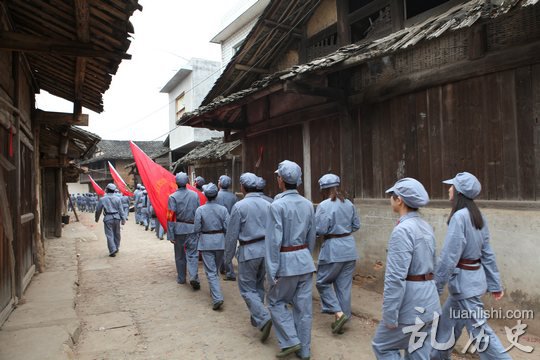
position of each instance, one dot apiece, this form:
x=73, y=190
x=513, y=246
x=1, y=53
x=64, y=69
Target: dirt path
x=131, y=307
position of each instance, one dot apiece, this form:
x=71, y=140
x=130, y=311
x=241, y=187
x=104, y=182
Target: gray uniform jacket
x=183, y=203
x=226, y=198
x=125, y=201
x=290, y=222
x=411, y=251
x=111, y=205
x=247, y=222
x=464, y=241
x=211, y=217
x=336, y=217
x=137, y=193
x=266, y=197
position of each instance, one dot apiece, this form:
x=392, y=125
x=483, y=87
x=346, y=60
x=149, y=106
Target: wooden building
x=211, y=159
x=70, y=49
x=118, y=153
x=383, y=89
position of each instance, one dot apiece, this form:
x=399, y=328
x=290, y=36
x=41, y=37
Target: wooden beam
x=82, y=16
x=343, y=28
x=54, y=162
x=293, y=118
x=248, y=68
x=57, y=118
x=308, y=89
x=289, y=29
x=493, y=62
x=477, y=39
x=40, y=44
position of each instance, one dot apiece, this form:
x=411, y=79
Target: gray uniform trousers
x=447, y=324
x=295, y=290
x=112, y=232
x=251, y=274
x=334, y=282
x=387, y=343
x=185, y=252
x=211, y=261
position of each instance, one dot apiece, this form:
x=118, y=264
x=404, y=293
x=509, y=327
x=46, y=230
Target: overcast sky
x=167, y=34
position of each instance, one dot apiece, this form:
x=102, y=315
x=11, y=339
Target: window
x=180, y=106
x=236, y=47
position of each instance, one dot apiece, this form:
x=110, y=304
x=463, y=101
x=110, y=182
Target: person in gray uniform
x=136, y=195
x=80, y=205
x=211, y=221
x=144, y=202
x=247, y=226
x=290, y=240
x=199, y=182
x=112, y=218
x=336, y=219
x=125, y=205
x=467, y=263
x=261, y=184
x=181, y=208
x=226, y=198
x=410, y=296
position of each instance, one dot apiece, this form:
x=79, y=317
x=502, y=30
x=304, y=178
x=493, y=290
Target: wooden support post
x=59, y=201
x=306, y=144
x=36, y=173
x=346, y=150
x=343, y=29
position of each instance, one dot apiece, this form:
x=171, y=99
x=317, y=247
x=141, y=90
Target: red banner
x=119, y=181
x=97, y=188
x=159, y=183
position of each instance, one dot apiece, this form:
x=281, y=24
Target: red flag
x=119, y=181
x=159, y=183
x=97, y=188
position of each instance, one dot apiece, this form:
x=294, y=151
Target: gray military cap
x=411, y=191
x=329, y=181
x=290, y=172
x=466, y=183
x=199, y=180
x=182, y=179
x=225, y=181
x=210, y=190
x=111, y=187
x=249, y=180
x=261, y=183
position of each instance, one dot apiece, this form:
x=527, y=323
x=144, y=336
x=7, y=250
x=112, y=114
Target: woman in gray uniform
x=336, y=219
x=410, y=299
x=467, y=264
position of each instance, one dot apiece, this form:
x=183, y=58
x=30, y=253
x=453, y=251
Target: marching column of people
x=273, y=241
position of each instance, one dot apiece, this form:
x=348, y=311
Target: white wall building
x=236, y=26
x=186, y=90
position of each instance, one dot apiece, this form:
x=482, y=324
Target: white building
x=186, y=90
x=236, y=26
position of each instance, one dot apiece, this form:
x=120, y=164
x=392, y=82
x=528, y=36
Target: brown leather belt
x=214, y=232
x=424, y=277
x=185, y=221
x=247, y=242
x=293, y=248
x=332, y=236
x=465, y=264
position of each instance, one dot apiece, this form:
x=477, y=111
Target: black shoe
x=266, y=330
x=289, y=350
x=217, y=305
x=227, y=278
x=300, y=356
x=113, y=254
x=151, y=229
x=146, y=228
x=195, y=284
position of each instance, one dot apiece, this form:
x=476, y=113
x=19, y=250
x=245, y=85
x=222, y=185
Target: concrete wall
x=195, y=86
x=515, y=240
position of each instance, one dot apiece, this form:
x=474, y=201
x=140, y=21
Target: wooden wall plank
x=525, y=132
x=536, y=119
x=507, y=116
x=434, y=124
